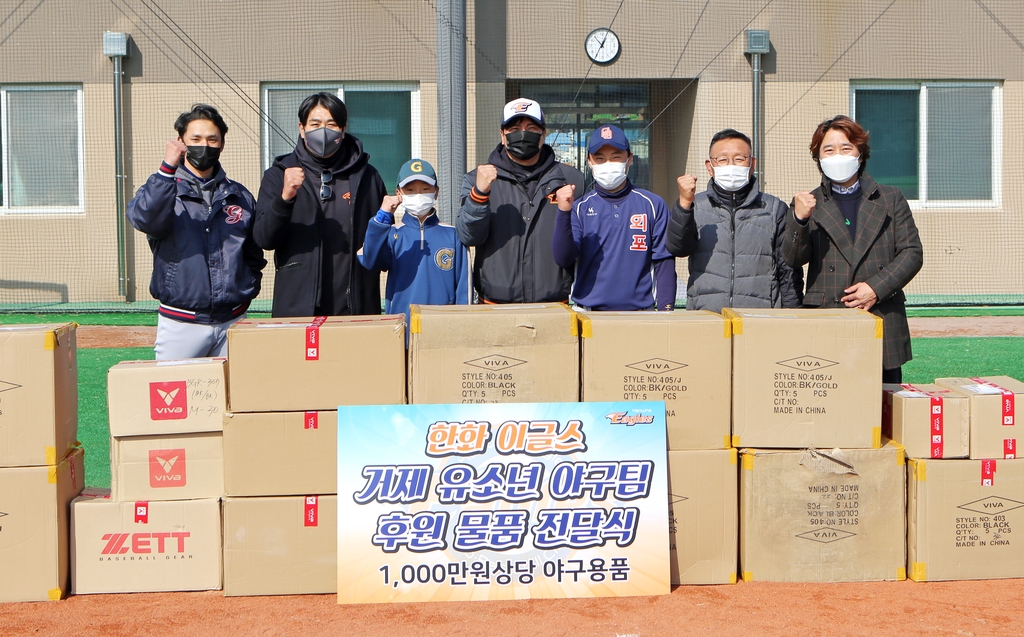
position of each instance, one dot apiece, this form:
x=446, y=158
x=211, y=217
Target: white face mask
x=840, y=168
x=732, y=178
x=418, y=205
x=610, y=174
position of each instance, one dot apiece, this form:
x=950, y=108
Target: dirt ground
x=120, y=336
x=757, y=608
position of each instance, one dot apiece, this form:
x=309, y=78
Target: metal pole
x=758, y=171
x=122, y=259
x=451, y=104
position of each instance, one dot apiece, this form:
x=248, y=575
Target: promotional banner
x=501, y=501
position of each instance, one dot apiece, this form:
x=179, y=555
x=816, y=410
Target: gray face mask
x=323, y=142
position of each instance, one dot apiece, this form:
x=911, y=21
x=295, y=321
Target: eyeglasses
x=735, y=161
x=326, y=192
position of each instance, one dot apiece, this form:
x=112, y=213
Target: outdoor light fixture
x=758, y=43
x=115, y=47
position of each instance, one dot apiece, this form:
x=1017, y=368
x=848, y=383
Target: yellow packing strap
x=415, y=326
x=733, y=455
x=586, y=327
x=748, y=461
x=919, y=572
x=735, y=320
x=879, y=327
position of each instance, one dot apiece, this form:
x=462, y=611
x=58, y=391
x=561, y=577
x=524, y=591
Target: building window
x=41, y=150
x=938, y=141
x=384, y=117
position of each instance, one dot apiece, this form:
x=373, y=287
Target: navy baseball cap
x=416, y=169
x=607, y=135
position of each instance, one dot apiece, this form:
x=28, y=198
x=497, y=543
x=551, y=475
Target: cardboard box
x=994, y=429
x=142, y=547
x=38, y=394
x=703, y=518
x=182, y=467
x=682, y=358
x=281, y=453
x=280, y=546
x=295, y=364
x=493, y=354
x=806, y=378
x=34, y=509
x=823, y=516
x=148, y=398
x=929, y=420
x=965, y=519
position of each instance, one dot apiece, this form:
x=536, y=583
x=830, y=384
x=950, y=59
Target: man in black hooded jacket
x=312, y=211
x=509, y=209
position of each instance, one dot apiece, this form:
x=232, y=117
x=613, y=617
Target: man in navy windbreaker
x=206, y=266
x=425, y=260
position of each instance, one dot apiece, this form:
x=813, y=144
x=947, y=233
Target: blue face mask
x=323, y=142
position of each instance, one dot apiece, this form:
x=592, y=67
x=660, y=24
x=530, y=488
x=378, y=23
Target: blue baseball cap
x=607, y=135
x=416, y=169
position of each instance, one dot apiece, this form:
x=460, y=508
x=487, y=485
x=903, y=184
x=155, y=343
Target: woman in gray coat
x=857, y=236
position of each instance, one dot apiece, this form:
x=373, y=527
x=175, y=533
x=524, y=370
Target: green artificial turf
x=93, y=431
x=974, y=356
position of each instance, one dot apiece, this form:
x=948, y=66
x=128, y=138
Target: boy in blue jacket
x=425, y=261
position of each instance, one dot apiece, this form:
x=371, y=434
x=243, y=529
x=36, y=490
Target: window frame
x=922, y=86
x=6, y=209
x=339, y=88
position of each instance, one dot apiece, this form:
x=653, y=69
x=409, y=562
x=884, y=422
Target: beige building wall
x=818, y=48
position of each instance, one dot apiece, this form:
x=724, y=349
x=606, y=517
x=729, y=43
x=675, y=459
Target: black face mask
x=522, y=144
x=323, y=142
x=202, y=158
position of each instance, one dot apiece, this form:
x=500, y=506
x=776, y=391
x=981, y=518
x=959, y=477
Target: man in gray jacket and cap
x=732, y=233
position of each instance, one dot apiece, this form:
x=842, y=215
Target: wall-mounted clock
x=603, y=46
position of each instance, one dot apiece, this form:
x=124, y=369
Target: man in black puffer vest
x=732, y=234
x=509, y=209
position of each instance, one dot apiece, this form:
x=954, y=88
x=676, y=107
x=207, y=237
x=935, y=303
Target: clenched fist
x=687, y=190
x=390, y=203
x=803, y=204
x=293, y=178
x=564, y=197
x=175, y=151
x=485, y=176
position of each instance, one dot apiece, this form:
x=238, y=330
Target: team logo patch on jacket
x=445, y=258
x=234, y=213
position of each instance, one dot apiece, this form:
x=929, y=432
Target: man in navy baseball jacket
x=425, y=260
x=206, y=265
x=615, y=234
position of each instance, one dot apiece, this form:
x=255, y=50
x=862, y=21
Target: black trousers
x=893, y=376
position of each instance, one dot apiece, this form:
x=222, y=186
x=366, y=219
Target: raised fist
x=390, y=203
x=485, y=176
x=293, y=178
x=687, y=190
x=803, y=204
x=564, y=197
x=174, y=152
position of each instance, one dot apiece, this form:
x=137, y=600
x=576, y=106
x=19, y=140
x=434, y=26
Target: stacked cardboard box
x=167, y=477
x=41, y=466
x=804, y=381
x=683, y=359
x=929, y=420
x=493, y=354
x=287, y=378
x=962, y=513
